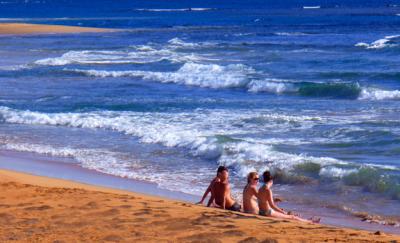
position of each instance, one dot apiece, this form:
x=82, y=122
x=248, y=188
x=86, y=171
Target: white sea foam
x=15, y=67
x=188, y=131
x=206, y=76
x=96, y=159
x=142, y=54
x=335, y=172
x=246, y=156
x=178, y=42
x=290, y=33
x=117, y=164
x=202, y=75
x=214, y=134
x=311, y=7
x=387, y=41
x=276, y=86
x=378, y=94
x=230, y=76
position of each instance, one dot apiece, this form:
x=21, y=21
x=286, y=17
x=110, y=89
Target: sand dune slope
x=60, y=212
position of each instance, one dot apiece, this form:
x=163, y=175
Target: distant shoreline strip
x=23, y=28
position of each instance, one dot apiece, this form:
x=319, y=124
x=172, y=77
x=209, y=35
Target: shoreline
x=46, y=166
x=38, y=208
x=50, y=167
x=30, y=29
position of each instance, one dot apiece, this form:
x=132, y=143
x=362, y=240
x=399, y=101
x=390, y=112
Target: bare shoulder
x=226, y=185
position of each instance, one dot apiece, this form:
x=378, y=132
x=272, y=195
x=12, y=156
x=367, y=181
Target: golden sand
x=40, y=209
x=21, y=28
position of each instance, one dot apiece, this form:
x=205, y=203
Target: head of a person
x=252, y=178
x=267, y=176
x=222, y=173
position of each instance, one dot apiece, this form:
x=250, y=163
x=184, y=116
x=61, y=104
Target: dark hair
x=221, y=168
x=267, y=176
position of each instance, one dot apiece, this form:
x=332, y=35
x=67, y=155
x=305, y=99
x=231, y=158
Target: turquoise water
x=311, y=94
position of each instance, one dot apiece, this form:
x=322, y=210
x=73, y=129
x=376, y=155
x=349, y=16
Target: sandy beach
x=22, y=28
x=41, y=209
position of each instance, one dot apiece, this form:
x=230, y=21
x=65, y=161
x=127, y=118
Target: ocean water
x=307, y=89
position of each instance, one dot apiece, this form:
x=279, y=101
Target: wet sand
x=41, y=209
x=22, y=28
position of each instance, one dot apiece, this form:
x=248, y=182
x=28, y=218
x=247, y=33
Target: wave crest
x=387, y=41
x=201, y=75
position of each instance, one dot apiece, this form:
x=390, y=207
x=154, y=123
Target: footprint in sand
x=114, y=238
x=109, y=212
x=231, y=233
x=29, y=221
x=40, y=208
x=140, y=220
x=24, y=204
x=4, y=206
x=249, y=240
x=92, y=204
x=179, y=224
x=202, y=237
x=125, y=206
x=202, y=221
x=269, y=240
x=228, y=226
x=6, y=218
x=162, y=215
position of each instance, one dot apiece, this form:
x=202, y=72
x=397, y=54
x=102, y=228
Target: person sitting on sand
x=266, y=203
x=250, y=194
x=221, y=193
x=216, y=178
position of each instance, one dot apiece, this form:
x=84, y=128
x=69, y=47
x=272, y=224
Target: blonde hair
x=250, y=176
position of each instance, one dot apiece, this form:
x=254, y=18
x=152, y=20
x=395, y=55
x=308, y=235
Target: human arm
x=211, y=200
x=205, y=195
x=272, y=203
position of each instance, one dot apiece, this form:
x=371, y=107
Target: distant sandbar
x=22, y=28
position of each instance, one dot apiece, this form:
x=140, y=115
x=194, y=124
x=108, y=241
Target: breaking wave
x=143, y=54
x=214, y=140
x=290, y=33
x=387, y=41
x=242, y=77
x=114, y=163
x=201, y=75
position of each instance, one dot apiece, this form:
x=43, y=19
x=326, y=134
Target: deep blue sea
x=307, y=89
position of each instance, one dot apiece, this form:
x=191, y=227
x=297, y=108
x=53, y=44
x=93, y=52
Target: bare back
x=250, y=195
x=221, y=191
x=264, y=195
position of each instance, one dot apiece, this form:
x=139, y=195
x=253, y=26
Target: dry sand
x=40, y=209
x=21, y=28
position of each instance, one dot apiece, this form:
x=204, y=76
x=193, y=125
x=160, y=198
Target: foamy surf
x=244, y=156
x=214, y=139
x=113, y=163
x=243, y=77
x=142, y=55
x=387, y=41
x=312, y=7
x=192, y=74
x=377, y=94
